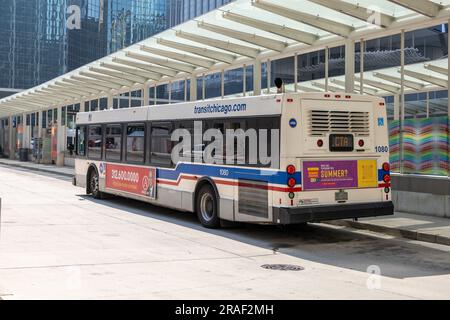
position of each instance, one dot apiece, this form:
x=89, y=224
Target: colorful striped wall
x=425, y=146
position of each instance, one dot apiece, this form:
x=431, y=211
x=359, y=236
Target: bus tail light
x=361, y=143
x=320, y=143
x=291, y=182
x=387, y=178
x=386, y=166
x=290, y=169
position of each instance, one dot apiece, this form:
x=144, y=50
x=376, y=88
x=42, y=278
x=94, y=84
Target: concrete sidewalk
x=48, y=168
x=411, y=226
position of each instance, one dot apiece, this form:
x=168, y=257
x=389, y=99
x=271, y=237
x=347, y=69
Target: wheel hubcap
x=94, y=183
x=207, y=207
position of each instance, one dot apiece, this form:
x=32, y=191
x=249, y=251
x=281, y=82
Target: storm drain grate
x=282, y=267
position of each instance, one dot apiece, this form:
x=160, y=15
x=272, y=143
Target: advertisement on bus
x=339, y=174
x=136, y=180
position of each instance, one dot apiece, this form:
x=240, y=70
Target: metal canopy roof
x=239, y=33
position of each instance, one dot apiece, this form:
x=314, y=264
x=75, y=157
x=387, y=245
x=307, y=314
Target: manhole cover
x=282, y=267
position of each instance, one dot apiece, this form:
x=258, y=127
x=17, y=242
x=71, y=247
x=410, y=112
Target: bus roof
x=264, y=105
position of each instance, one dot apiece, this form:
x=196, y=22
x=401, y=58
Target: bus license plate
x=341, y=196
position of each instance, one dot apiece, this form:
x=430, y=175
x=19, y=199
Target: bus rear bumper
x=332, y=212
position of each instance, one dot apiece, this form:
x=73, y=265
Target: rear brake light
x=290, y=169
x=320, y=143
x=361, y=143
x=291, y=182
x=338, y=96
x=348, y=97
x=386, y=166
x=290, y=100
x=387, y=178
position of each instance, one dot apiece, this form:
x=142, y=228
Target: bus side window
x=269, y=124
x=81, y=141
x=135, y=143
x=113, y=142
x=95, y=142
x=186, y=153
x=223, y=125
x=161, y=144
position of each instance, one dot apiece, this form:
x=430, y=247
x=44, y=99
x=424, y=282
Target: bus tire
x=94, y=185
x=207, y=207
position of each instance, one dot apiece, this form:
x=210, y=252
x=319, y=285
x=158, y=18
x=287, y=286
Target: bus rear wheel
x=207, y=207
x=94, y=185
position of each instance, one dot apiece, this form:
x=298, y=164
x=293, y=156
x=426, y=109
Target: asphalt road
x=57, y=243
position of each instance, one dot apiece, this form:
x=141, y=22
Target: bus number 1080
x=381, y=149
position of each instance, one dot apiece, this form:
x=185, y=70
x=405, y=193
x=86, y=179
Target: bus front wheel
x=206, y=207
x=94, y=185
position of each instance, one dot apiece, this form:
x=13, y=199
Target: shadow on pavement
x=344, y=248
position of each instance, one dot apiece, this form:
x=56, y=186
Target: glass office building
x=110, y=25
x=180, y=11
x=33, y=43
x=42, y=39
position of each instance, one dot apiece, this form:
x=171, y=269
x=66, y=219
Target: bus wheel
x=206, y=206
x=94, y=186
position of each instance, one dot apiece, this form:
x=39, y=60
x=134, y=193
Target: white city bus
x=332, y=161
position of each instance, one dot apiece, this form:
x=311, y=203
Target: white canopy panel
x=237, y=34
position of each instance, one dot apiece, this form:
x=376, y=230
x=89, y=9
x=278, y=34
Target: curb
x=37, y=169
x=396, y=232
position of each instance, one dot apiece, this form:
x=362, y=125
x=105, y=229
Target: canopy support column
x=39, y=124
x=257, y=78
x=402, y=94
x=146, y=94
x=349, y=66
x=60, y=143
x=11, y=139
x=110, y=101
x=396, y=107
x=193, y=88
x=26, y=132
